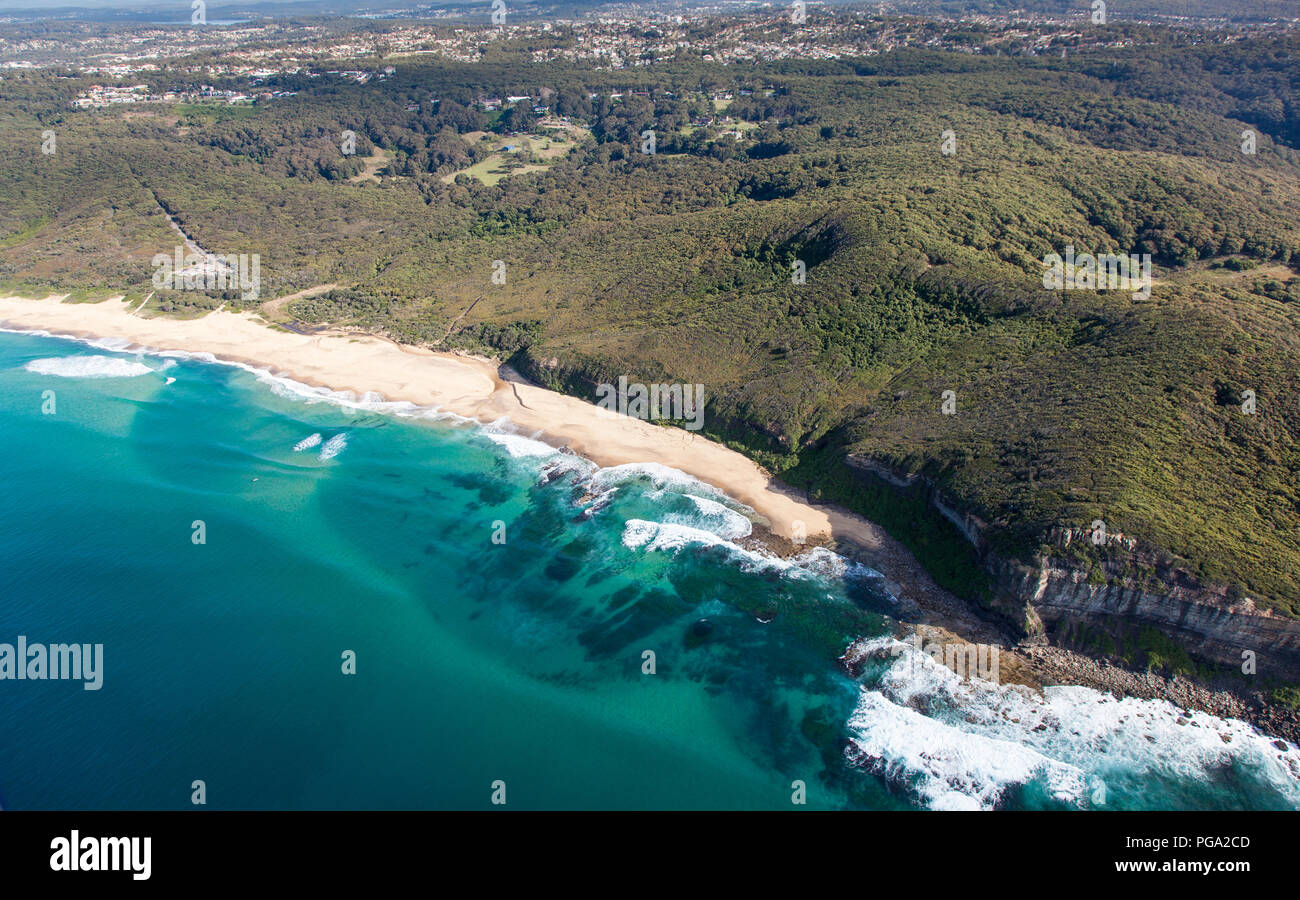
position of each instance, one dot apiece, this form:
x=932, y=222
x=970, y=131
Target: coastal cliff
x=1099, y=592
x=1059, y=600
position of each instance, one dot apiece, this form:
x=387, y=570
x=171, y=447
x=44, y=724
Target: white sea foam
x=334, y=446
x=661, y=478
x=707, y=507
x=971, y=726
x=578, y=468
x=116, y=345
x=291, y=389
x=713, y=511
x=518, y=446
x=88, y=367
x=672, y=537
x=712, y=516
x=307, y=443
x=715, y=521
x=948, y=768
x=829, y=564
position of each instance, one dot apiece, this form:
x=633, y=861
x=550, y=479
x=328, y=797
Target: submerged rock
x=698, y=633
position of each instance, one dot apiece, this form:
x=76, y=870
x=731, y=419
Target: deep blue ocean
x=522, y=622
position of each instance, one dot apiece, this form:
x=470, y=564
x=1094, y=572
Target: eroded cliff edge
x=1111, y=597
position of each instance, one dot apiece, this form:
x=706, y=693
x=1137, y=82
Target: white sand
x=465, y=385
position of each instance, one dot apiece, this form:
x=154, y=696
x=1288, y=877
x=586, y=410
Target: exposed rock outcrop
x=1124, y=586
x=1201, y=618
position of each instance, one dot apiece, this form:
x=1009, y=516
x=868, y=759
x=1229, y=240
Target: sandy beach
x=465, y=385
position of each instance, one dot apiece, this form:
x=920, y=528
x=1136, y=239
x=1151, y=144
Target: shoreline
x=473, y=387
x=468, y=386
x=476, y=388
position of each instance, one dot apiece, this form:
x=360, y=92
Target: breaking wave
x=334, y=446
x=670, y=537
x=955, y=743
x=88, y=367
x=659, y=477
x=517, y=445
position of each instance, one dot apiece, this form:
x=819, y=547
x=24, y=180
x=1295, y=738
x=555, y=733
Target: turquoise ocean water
x=334, y=524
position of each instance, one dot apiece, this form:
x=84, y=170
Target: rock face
x=1201, y=619
x=1053, y=593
